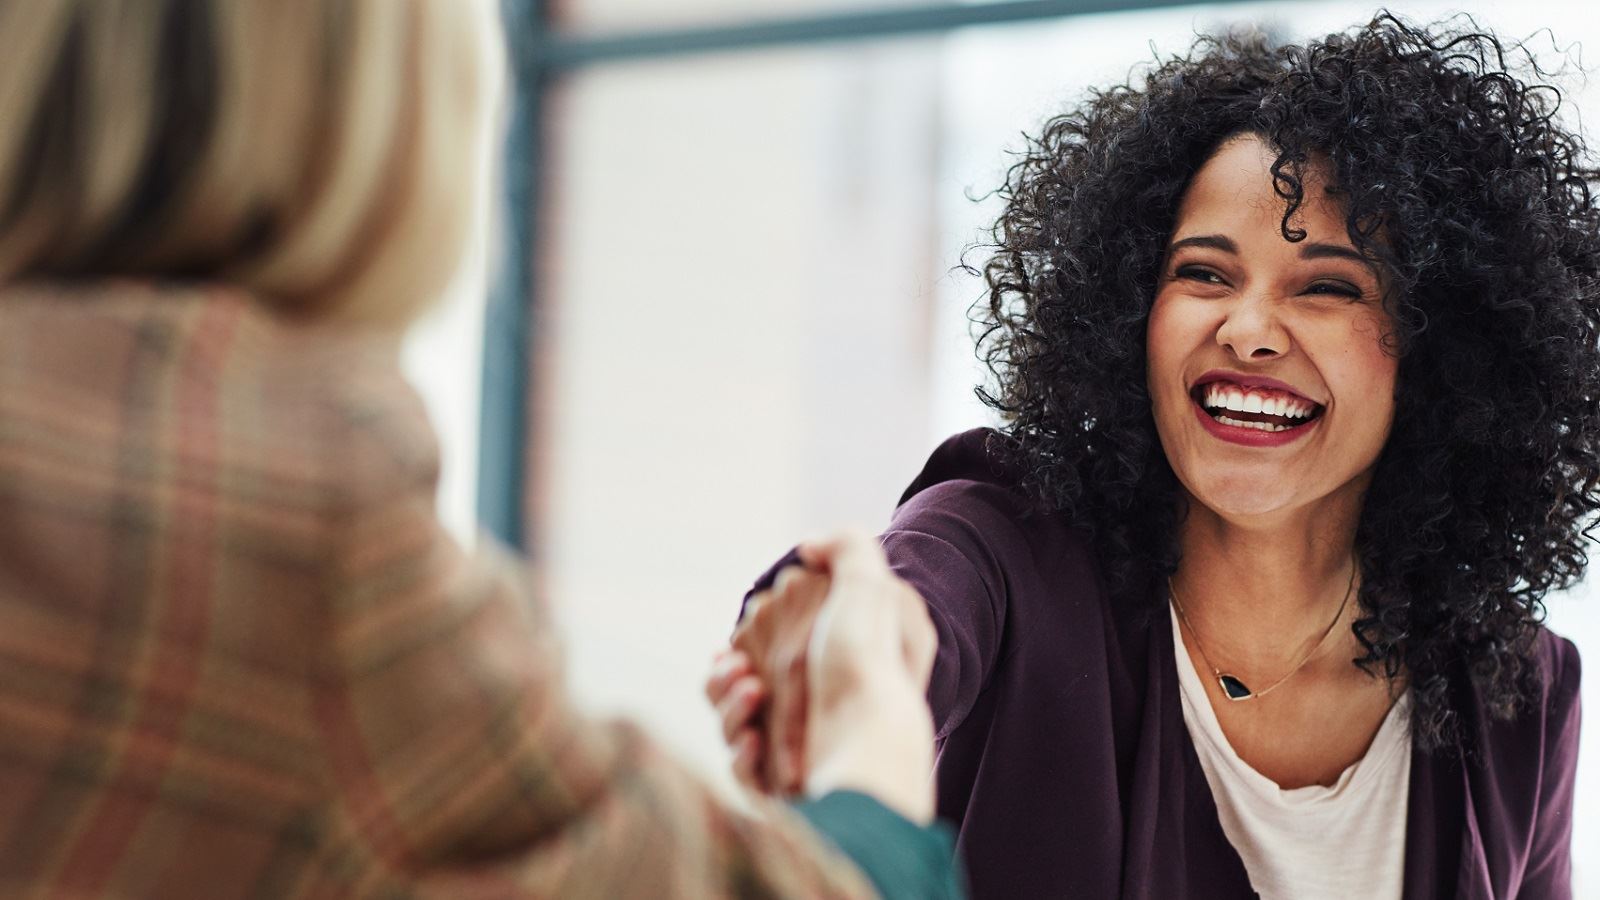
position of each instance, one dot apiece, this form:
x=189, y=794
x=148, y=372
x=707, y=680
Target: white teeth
x=1220, y=396
x=1258, y=426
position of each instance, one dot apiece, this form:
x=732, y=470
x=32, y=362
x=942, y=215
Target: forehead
x=1233, y=192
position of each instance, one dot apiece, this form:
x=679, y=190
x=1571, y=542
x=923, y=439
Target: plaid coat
x=240, y=658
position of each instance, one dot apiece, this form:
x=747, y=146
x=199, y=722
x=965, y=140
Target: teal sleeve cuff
x=902, y=859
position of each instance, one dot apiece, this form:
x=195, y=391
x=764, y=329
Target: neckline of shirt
x=1393, y=736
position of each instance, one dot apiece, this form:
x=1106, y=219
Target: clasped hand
x=824, y=685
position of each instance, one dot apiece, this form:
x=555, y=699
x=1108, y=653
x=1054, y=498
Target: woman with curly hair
x=1296, y=350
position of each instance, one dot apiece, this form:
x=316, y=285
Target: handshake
x=823, y=688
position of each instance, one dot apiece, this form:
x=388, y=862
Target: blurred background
x=723, y=304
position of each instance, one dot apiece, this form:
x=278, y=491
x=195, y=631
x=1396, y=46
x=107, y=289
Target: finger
x=777, y=721
x=747, y=759
x=786, y=579
x=786, y=720
x=796, y=735
x=716, y=681
x=849, y=553
x=752, y=621
x=756, y=601
x=740, y=705
x=730, y=666
x=803, y=591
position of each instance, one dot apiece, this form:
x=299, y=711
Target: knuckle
x=787, y=578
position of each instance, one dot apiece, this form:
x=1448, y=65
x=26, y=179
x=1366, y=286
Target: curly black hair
x=1480, y=206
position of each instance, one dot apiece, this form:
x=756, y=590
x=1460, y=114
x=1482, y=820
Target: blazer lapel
x=1444, y=854
x=1200, y=861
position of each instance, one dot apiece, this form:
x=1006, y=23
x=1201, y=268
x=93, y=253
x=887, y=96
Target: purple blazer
x=1064, y=760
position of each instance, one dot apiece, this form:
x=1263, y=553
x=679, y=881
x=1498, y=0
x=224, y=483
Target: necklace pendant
x=1234, y=688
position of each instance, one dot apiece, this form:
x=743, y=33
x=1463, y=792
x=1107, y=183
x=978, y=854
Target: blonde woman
x=238, y=655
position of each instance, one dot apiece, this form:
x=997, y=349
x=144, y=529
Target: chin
x=1240, y=497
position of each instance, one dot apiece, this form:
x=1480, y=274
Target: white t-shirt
x=1340, y=841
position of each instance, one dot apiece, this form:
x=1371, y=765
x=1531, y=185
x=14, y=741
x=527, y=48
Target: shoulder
x=363, y=425
x=965, y=475
x=1560, y=676
x=1545, y=728
x=1558, y=671
x=331, y=399
x=973, y=456
x=219, y=391
x=969, y=493
x=377, y=428
x=1563, y=665
x=968, y=501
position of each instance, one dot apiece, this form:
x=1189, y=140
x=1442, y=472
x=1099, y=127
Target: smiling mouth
x=1260, y=409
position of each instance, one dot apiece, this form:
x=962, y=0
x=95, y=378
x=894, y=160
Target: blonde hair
x=322, y=154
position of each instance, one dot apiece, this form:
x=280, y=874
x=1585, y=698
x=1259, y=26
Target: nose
x=1251, y=329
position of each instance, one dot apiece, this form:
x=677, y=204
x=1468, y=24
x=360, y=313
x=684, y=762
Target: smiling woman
x=1296, y=350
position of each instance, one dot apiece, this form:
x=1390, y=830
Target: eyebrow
x=1332, y=251
x=1213, y=241
x=1307, y=251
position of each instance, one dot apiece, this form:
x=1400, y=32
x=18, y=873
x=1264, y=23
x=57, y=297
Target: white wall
x=441, y=359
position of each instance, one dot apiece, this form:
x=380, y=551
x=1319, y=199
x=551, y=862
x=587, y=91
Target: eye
x=1200, y=274
x=1336, y=289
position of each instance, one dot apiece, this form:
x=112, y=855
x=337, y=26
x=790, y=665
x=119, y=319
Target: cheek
x=1174, y=333
x=1165, y=346
x=1368, y=374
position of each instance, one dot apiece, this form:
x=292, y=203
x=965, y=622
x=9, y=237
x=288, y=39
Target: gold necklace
x=1232, y=687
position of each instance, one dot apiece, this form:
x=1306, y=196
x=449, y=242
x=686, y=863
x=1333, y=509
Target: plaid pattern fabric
x=240, y=658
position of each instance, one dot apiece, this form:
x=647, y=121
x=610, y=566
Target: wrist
x=877, y=742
